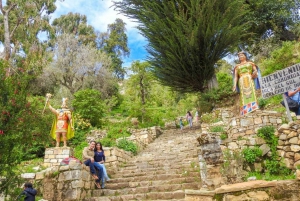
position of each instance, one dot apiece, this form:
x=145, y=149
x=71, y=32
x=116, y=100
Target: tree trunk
x=7, y=49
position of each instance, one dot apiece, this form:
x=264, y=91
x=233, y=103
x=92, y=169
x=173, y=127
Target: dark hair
x=28, y=185
x=100, y=146
x=92, y=141
x=244, y=53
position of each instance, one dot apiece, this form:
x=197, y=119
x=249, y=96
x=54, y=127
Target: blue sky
x=99, y=14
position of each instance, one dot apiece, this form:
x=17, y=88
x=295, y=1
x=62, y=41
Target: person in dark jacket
x=28, y=193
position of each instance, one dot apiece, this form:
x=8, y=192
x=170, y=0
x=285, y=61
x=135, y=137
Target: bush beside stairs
x=162, y=171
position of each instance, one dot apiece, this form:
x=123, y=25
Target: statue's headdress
x=64, y=103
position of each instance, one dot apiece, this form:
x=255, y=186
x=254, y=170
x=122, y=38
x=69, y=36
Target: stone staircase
x=162, y=171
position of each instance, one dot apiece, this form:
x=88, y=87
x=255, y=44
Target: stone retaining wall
x=289, y=143
x=114, y=157
x=65, y=183
x=145, y=136
x=250, y=123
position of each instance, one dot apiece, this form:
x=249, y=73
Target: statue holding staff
x=62, y=127
x=245, y=82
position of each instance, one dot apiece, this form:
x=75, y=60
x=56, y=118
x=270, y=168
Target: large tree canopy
x=273, y=18
x=21, y=22
x=114, y=43
x=76, y=24
x=187, y=37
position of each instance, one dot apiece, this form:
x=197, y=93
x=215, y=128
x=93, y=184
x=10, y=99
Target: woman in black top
x=100, y=158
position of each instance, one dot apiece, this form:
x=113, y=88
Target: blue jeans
x=92, y=167
x=100, y=173
x=104, y=172
x=298, y=112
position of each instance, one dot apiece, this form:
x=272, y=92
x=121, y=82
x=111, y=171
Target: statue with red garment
x=62, y=127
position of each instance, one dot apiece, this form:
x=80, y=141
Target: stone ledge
x=245, y=186
x=200, y=192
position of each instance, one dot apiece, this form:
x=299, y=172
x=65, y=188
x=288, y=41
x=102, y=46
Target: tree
x=140, y=83
x=22, y=127
x=273, y=18
x=74, y=63
x=21, y=22
x=89, y=106
x=187, y=37
x=76, y=24
x=114, y=43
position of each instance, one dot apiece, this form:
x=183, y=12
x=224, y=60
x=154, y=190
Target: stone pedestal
x=210, y=160
x=54, y=155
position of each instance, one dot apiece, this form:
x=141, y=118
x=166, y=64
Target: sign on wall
x=281, y=81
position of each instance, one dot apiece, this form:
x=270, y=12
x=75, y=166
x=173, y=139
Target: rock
x=287, y=163
x=283, y=127
x=289, y=154
x=265, y=149
x=259, y=195
x=245, y=186
x=37, y=168
x=298, y=174
x=232, y=146
x=297, y=156
x=260, y=141
x=295, y=148
x=296, y=164
x=292, y=134
x=280, y=142
x=242, y=197
x=28, y=175
x=282, y=137
x=251, y=178
x=294, y=140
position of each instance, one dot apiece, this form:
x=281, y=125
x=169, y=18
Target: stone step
x=131, y=184
x=155, y=167
x=135, y=173
x=173, y=195
x=195, y=175
x=161, y=172
x=146, y=189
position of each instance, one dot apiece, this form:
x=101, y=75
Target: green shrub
x=207, y=118
x=79, y=148
x=108, y=142
x=262, y=103
x=223, y=136
x=217, y=129
x=127, y=146
x=251, y=154
x=88, y=105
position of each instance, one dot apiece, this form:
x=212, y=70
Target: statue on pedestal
x=245, y=82
x=63, y=125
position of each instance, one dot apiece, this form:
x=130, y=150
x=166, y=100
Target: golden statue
x=62, y=127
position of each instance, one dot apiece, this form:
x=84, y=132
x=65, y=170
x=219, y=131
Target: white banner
x=281, y=81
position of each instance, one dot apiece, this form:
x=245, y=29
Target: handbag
x=293, y=105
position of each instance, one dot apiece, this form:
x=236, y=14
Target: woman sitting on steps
x=100, y=159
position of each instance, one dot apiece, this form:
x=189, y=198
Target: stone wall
x=249, y=124
x=114, y=157
x=289, y=143
x=145, y=136
x=54, y=155
x=65, y=183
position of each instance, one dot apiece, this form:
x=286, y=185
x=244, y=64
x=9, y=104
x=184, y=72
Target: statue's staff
x=48, y=96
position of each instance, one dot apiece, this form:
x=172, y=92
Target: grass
x=27, y=166
x=269, y=177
